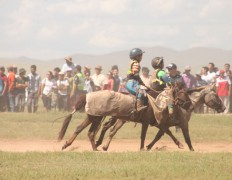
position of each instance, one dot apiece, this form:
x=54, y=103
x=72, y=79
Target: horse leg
x=116, y=127
x=176, y=141
x=157, y=137
x=185, y=132
x=105, y=127
x=143, y=135
x=96, y=122
x=79, y=128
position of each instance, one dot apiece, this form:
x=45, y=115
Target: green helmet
x=135, y=52
x=157, y=62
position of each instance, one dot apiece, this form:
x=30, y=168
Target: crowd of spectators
x=61, y=87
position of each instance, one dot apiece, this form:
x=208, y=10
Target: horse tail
x=79, y=105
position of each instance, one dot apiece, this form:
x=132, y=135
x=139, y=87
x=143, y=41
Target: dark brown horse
x=206, y=95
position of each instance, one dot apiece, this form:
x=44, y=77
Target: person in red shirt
x=223, y=85
x=3, y=89
x=110, y=80
x=11, y=88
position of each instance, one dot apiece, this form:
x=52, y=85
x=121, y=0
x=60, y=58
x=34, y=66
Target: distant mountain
x=195, y=57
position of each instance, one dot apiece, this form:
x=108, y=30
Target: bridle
x=182, y=101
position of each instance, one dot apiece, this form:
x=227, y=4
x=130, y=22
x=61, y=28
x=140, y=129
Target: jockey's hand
x=137, y=78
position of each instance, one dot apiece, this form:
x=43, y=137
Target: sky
x=45, y=29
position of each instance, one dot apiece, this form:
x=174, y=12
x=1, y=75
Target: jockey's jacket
x=132, y=84
x=157, y=76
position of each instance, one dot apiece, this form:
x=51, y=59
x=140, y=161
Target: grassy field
x=203, y=128
x=130, y=165
x=127, y=165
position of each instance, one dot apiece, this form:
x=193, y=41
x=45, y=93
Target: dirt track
x=116, y=146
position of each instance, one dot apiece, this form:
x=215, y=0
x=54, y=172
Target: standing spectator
x=68, y=64
x=3, y=89
x=145, y=76
x=204, y=74
x=15, y=69
x=20, y=90
x=87, y=69
x=189, y=79
x=229, y=75
x=69, y=77
x=110, y=80
x=199, y=81
x=56, y=72
x=78, y=83
x=223, y=85
x=227, y=67
x=62, y=86
x=211, y=73
x=117, y=79
x=33, y=90
x=11, y=88
x=47, y=86
x=89, y=85
x=99, y=80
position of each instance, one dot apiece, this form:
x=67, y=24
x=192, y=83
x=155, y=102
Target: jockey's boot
x=172, y=113
x=135, y=115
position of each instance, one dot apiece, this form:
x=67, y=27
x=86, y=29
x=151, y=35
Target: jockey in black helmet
x=157, y=78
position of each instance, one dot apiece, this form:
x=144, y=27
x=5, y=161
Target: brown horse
x=95, y=120
x=207, y=95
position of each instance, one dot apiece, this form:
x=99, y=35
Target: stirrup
x=141, y=108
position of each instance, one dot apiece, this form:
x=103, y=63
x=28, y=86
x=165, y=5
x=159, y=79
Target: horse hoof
x=142, y=149
x=97, y=144
x=148, y=148
x=104, y=148
x=191, y=149
x=64, y=146
x=180, y=146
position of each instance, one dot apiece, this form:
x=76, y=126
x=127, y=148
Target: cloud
x=215, y=7
x=92, y=7
x=92, y=26
x=160, y=7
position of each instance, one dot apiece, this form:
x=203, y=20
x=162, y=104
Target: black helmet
x=171, y=66
x=135, y=52
x=157, y=62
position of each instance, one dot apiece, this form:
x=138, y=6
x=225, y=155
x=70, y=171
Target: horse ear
x=213, y=87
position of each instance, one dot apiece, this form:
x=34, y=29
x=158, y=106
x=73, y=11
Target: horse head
x=211, y=98
x=213, y=101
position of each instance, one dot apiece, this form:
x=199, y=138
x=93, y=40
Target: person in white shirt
x=62, y=87
x=47, y=86
x=211, y=73
x=69, y=64
x=89, y=85
x=204, y=74
x=99, y=80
